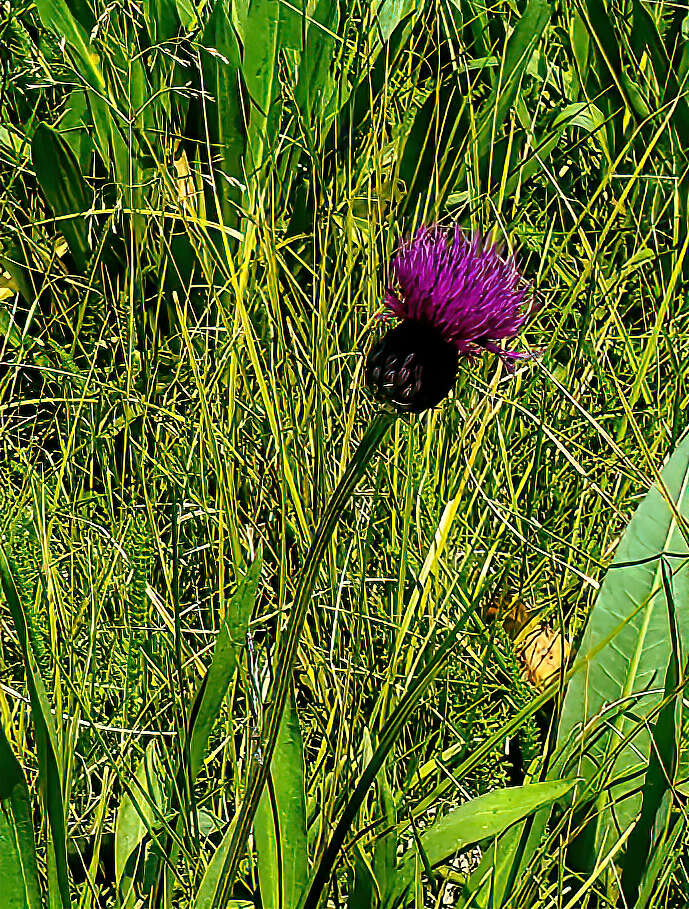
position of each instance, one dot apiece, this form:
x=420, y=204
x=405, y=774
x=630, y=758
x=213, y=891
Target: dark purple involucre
x=460, y=286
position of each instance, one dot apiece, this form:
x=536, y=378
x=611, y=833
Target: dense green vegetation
x=197, y=208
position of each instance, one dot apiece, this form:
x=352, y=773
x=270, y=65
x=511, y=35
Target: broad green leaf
x=315, y=85
x=13, y=261
x=293, y=24
x=503, y=863
x=57, y=15
x=482, y=817
x=46, y=737
x=673, y=93
x=651, y=828
x=582, y=114
x=280, y=822
x=136, y=815
x=18, y=870
x=211, y=880
x=664, y=856
x=362, y=891
x=187, y=11
x=625, y=647
x=162, y=19
x=605, y=51
x=390, y=13
x=385, y=846
x=260, y=68
x=74, y=128
x=580, y=46
x=64, y=188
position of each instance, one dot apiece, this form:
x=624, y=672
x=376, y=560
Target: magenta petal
x=461, y=286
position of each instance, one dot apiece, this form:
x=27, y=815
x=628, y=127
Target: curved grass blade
x=208, y=892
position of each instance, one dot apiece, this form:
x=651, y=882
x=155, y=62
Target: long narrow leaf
x=18, y=871
x=478, y=819
x=46, y=738
x=280, y=823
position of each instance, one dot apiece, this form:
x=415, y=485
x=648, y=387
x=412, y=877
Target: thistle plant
x=454, y=296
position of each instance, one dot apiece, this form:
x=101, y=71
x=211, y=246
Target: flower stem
x=289, y=643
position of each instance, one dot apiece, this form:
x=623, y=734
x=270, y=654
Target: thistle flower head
x=455, y=295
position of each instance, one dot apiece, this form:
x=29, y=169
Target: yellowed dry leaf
x=544, y=654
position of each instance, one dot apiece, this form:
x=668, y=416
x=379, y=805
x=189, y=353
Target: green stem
x=289, y=644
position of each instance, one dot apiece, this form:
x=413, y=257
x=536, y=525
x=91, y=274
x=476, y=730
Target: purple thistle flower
x=455, y=296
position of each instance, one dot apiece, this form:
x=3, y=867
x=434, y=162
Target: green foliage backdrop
x=197, y=207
